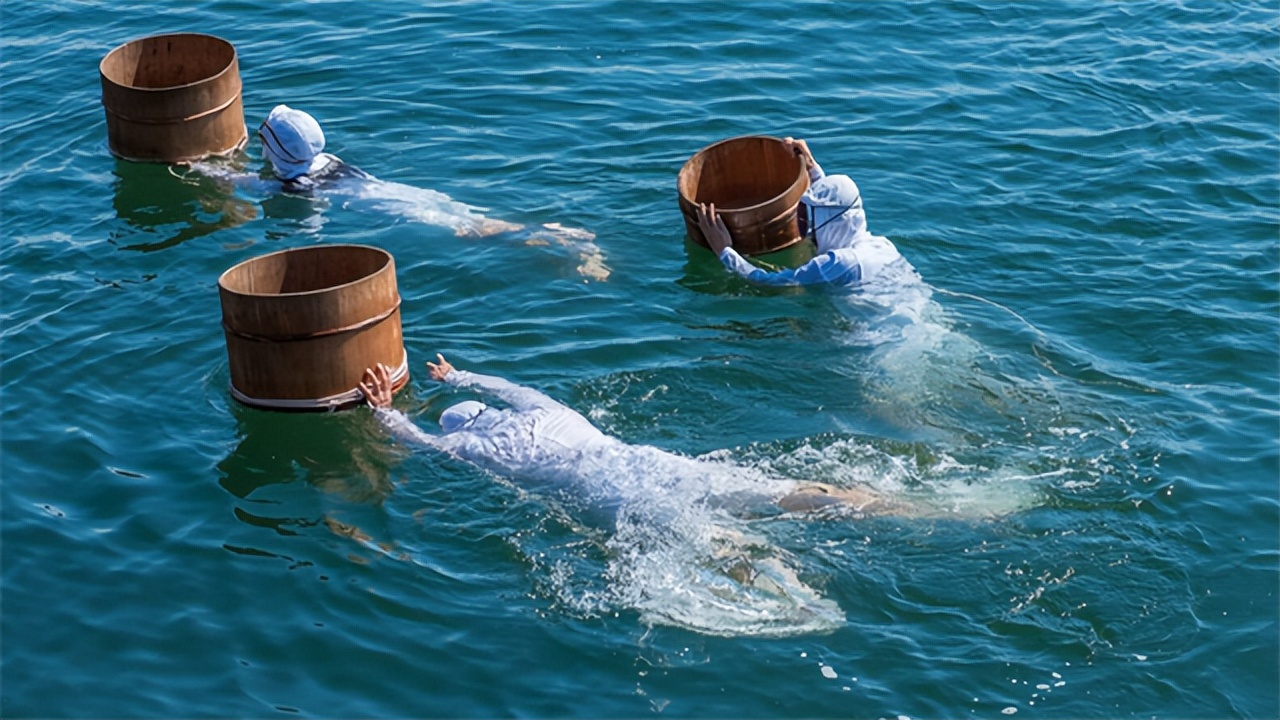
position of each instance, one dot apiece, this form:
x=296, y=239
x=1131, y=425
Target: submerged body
x=293, y=145
x=682, y=547
x=542, y=443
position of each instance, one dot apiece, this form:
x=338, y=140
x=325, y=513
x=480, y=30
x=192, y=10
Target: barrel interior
x=305, y=270
x=168, y=61
x=739, y=173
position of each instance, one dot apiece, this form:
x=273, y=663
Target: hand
x=713, y=228
x=439, y=371
x=376, y=386
x=801, y=149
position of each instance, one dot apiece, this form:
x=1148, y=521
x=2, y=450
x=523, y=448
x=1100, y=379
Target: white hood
x=838, y=217
x=456, y=416
x=292, y=140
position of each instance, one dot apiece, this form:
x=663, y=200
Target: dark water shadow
x=279, y=463
x=333, y=452
x=165, y=206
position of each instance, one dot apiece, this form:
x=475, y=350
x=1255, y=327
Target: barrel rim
x=310, y=248
x=800, y=178
x=231, y=64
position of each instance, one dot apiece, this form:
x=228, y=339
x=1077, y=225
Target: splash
x=679, y=560
x=712, y=576
x=689, y=542
x=677, y=545
x=918, y=480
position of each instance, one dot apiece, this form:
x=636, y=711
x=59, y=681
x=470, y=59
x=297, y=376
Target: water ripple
x=1090, y=409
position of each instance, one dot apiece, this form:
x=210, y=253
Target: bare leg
x=583, y=241
x=810, y=498
x=486, y=227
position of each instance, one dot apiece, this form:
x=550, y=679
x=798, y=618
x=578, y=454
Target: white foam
x=696, y=567
x=943, y=486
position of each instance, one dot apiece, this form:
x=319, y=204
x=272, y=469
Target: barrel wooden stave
x=755, y=183
x=280, y=294
x=303, y=324
x=173, y=98
x=314, y=368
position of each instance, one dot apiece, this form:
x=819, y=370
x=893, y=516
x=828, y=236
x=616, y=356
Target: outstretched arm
x=376, y=386
x=837, y=268
x=517, y=396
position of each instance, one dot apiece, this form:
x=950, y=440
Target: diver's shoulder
x=327, y=170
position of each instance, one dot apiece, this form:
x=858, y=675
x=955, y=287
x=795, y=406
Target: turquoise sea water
x=1088, y=402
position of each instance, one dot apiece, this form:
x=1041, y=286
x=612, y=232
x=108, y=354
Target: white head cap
x=838, y=217
x=291, y=140
x=455, y=416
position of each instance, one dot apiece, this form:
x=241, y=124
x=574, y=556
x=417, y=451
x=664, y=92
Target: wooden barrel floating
x=302, y=325
x=173, y=98
x=755, y=182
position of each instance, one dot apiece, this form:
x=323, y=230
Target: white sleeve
x=234, y=178
x=403, y=429
x=517, y=396
x=839, y=267
x=875, y=253
x=816, y=173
